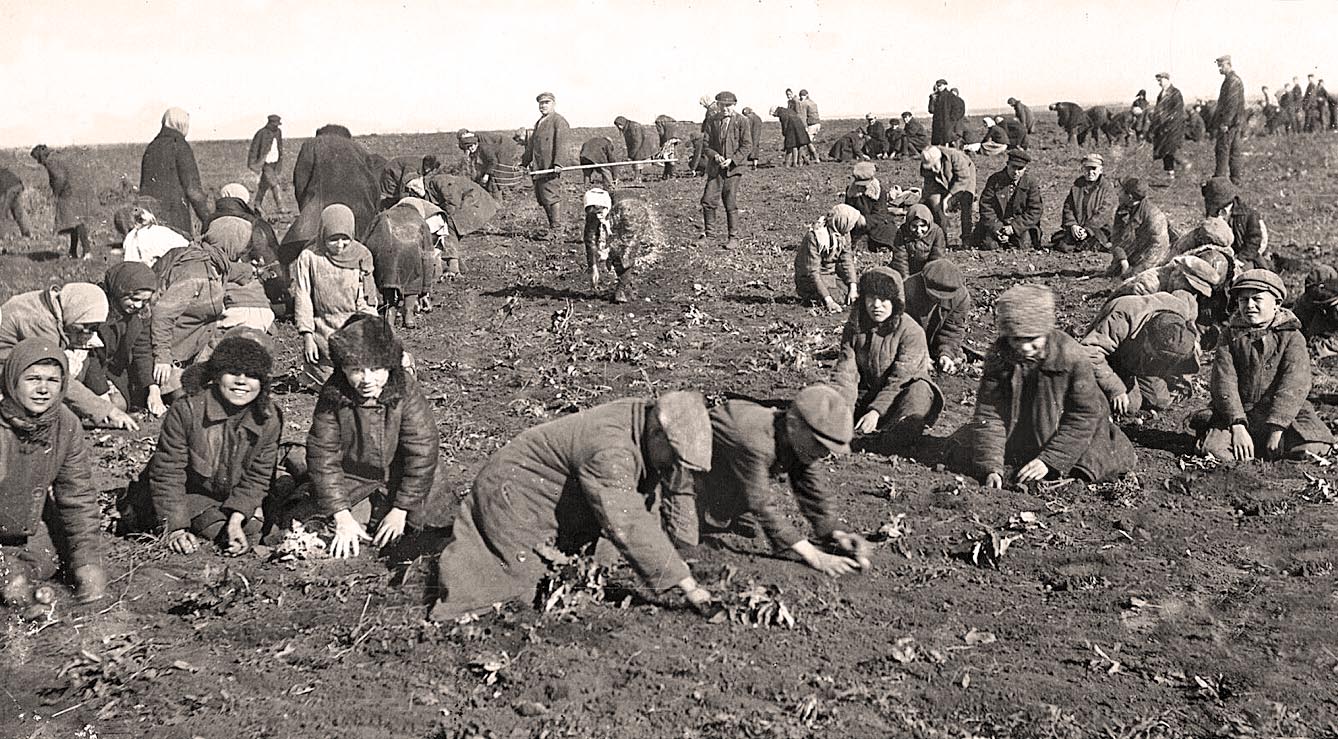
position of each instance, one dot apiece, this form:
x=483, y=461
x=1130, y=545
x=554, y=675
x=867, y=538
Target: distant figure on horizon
x=941, y=110
x=1228, y=121
x=168, y=172
x=809, y=110
x=265, y=158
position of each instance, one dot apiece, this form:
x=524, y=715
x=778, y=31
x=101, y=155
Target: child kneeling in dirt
x=1317, y=310
x=373, y=443
x=1039, y=409
x=751, y=445
x=937, y=299
x=918, y=242
x=45, y=480
x=214, y=464
x=623, y=234
x=1261, y=377
x=825, y=254
x=883, y=370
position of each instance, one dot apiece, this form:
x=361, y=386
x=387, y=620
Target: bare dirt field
x=1188, y=601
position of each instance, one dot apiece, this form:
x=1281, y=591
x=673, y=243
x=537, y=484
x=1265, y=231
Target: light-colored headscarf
x=235, y=190
x=81, y=302
x=338, y=219
x=933, y=158
x=416, y=187
x=842, y=218
x=178, y=120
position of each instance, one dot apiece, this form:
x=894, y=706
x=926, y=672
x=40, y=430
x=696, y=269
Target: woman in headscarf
x=332, y=281
x=405, y=264
x=126, y=357
x=67, y=317
x=331, y=168
x=865, y=194
x=73, y=199
x=918, y=242
x=143, y=238
x=168, y=172
x=245, y=302
x=824, y=255
x=45, y=480
x=234, y=202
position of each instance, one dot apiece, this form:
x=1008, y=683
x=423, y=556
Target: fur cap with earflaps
x=365, y=342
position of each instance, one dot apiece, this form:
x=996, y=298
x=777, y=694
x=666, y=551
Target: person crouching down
x=824, y=255
x=883, y=369
x=373, y=444
x=1261, y=378
x=49, y=512
x=623, y=236
x=918, y=242
x=753, y=444
x=560, y=486
x=214, y=463
x=938, y=300
x=1039, y=410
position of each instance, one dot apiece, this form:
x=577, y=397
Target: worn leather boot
x=730, y=219
x=708, y=224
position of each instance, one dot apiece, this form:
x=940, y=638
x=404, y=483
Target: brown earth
x=1185, y=602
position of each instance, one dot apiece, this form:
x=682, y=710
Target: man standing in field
x=728, y=144
x=266, y=159
x=809, y=110
x=546, y=148
x=1228, y=121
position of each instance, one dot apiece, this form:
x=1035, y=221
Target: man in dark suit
x=1010, y=206
x=728, y=144
x=1228, y=121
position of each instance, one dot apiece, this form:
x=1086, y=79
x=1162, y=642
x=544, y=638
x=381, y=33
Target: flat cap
x=1019, y=156
x=1163, y=75
x=942, y=278
x=1262, y=280
x=1200, y=275
x=1093, y=160
x=545, y=96
x=823, y=415
x=682, y=414
x=1224, y=58
x=725, y=97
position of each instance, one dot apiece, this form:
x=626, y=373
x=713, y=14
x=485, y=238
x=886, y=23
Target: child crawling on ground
x=1261, y=379
x=623, y=235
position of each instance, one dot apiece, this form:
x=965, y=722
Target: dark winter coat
x=914, y=135
x=640, y=144
x=1248, y=229
x=547, y=146
x=190, y=300
x=880, y=224
x=264, y=243
x=331, y=168
x=755, y=135
x=395, y=177
x=61, y=477
x=168, y=172
x=260, y=146
x=957, y=174
x=401, y=247
x=1017, y=133
x=1230, y=102
x=1025, y=116
x=1112, y=342
x=127, y=355
x=1072, y=118
x=793, y=131
x=1261, y=377
x=597, y=150
x=943, y=123
x=1053, y=411
x=910, y=253
x=1091, y=205
x=1168, y=123
x=880, y=360
x=876, y=144
x=210, y=456
x=730, y=136
x=848, y=148
x=943, y=321
x=392, y=443
x=1002, y=202
x=74, y=197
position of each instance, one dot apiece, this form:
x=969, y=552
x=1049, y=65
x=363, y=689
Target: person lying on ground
x=126, y=354
x=1039, y=412
x=883, y=368
x=1143, y=349
x=866, y=194
x=918, y=242
x=67, y=317
x=752, y=446
x=49, y=511
x=825, y=255
x=938, y=300
x=1010, y=207
x=1089, y=211
x=214, y=463
x=332, y=282
x=622, y=234
x=1261, y=380
x=1140, y=238
x=559, y=487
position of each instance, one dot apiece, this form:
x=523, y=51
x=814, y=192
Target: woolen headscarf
x=919, y=212
x=128, y=278
x=178, y=120
x=235, y=190
x=33, y=432
x=338, y=219
x=842, y=218
x=81, y=302
x=1024, y=311
x=231, y=237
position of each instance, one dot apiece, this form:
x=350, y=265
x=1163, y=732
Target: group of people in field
x=183, y=328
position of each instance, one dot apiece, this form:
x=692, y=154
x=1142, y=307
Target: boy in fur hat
x=373, y=443
x=883, y=370
x=1261, y=378
x=558, y=487
x=1039, y=411
x=216, y=451
x=754, y=444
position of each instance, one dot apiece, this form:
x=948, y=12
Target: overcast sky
x=99, y=71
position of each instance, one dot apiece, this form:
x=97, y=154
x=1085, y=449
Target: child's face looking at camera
x=1257, y=307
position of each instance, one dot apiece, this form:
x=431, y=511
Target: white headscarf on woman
x=235, y=190
x=178, y=120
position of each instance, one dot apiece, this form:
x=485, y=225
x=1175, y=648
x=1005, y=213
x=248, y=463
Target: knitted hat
x=882, y=282
x=1218, y=192
x=1200, y=275
x=1262, y=280
x=682, y=414
x=864, y=171
x=942, y=278
x=1024, y=311
x=1135, y=188
x=240, y=355
x=366, y=342
x=821, y=414
x=727, y=98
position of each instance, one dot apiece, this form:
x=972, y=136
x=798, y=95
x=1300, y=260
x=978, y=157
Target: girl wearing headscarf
x=143, y=238
x=621, y=235
x=332, y=281
x=45, y=480
x=233, y=202
x=918, y=242
x=245, y=302
x=824, y=255
x=67, y=317
x=1039, y=411
x=883, y=369
x=126, y=357
x=216, y=452
x=168, y=172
